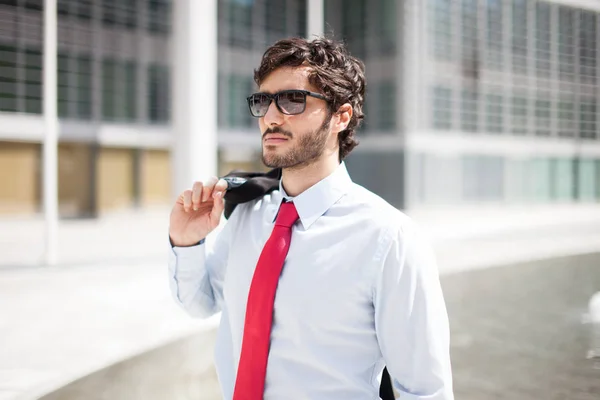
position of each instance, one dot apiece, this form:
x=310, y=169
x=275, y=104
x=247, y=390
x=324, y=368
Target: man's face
x=292, y=141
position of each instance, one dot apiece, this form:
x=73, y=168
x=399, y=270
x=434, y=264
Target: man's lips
x=271, y=139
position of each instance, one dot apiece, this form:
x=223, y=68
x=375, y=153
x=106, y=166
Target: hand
x=197, y=212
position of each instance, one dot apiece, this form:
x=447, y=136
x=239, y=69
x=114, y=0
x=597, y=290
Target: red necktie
x=250, y=382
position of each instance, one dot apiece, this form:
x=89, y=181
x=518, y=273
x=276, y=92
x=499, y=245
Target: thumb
x=218, y=207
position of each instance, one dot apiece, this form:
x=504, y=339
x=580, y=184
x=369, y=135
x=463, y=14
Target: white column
x=194, y=106
x=50, y=135
x=409, y=89
x=315, y=19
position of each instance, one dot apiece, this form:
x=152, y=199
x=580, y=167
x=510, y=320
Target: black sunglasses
x=289, y=102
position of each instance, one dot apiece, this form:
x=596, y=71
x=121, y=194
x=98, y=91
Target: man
x=320, y=283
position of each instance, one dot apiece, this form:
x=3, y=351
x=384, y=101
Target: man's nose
x=273, y=115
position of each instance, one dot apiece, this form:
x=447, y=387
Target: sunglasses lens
x=292, y=102
x=259, y=104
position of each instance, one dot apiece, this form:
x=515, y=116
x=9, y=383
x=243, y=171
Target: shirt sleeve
x=196, y=273
x=411, y=319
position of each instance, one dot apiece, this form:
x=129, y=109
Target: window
x=82, y=8
x=519, y=36
x=519, y=115
x=119, y=84
x=387, y=106
x=483, y=178
x=587, y=47
x=469, y=114
x=33, y=81
x=354, y=29
x=276, y=20
x=566, y=118
x=129, y=86
x=128, y=11
x=74, y=86
x=566, y=44
x=586, y=179
x=240, y=23
x=237, y=114
x=158, y=93
x=587, y=118
x=542, y=39
x=494, y=34
x=563, y=182
x=543, y=115
x=442, y=108
x=8, y=78
x=441, y=28
x=541, y=179
x=301, y=18
x=37, y=5
x=84, y=87
x=597, y=179
x=470, y=50
x=386, y=28
x=109, y=79
x=63, y=84
x=494, y=109
x=63, y=7
x=109, y=12
x=159, y=16
x=120, y=13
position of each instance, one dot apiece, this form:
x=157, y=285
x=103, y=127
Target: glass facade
x=525, y=69
x=245, y=29
x=99, y=52
x=547, y=57
x=520, y=70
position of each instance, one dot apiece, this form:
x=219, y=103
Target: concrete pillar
x=50, y=158
x=194, y=77
x=315, y=19
x=409, y=90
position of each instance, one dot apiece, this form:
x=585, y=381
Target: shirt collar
x=316, y=200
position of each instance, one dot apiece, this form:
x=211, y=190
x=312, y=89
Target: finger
x=221, y=186
x=197, y=190
x=187, y=200
x=208, y=189
x=218, y=207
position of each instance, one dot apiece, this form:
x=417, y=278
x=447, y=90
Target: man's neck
x=297, y=180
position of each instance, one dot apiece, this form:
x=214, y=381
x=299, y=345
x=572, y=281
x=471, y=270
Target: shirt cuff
x=183, y=247
x=188, y=252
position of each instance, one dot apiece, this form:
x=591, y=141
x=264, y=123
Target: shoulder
x=394, y=227
x=379, y=212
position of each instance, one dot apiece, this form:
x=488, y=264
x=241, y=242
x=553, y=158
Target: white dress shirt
x=359, y=290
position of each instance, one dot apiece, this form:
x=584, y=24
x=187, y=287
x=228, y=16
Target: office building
x=469, y=102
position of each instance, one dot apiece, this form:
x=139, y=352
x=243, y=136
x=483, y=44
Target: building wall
x=19, y=178
x=468, y=101
x=75, y=179
x=115, y=179
x=113, y=103
x=510, y=103
x=155, y=171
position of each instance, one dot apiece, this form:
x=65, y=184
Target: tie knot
x=287, y=215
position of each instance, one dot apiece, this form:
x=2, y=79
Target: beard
x=309, y=148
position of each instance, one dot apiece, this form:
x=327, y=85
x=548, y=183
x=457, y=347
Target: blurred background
x=481, y=123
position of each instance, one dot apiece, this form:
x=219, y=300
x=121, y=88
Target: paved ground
x=108, y=300
x=517, y=333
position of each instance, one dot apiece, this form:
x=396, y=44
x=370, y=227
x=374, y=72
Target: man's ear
x=342, y=118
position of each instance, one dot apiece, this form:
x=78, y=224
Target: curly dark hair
x=339, y=76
